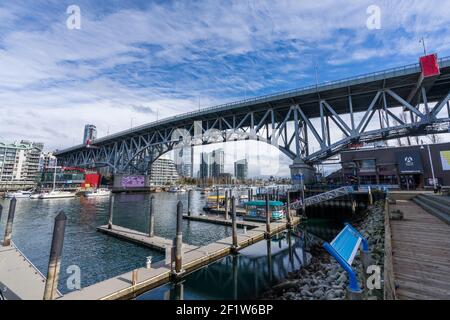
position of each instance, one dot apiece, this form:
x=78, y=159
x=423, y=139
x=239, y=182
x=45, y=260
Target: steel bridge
x=285, y=120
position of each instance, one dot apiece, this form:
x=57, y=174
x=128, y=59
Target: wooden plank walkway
x=421, y=254
x=194, y=257
x=22, y=279
x=211, y=218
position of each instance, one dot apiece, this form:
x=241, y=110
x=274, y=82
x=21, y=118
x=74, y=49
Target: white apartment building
x=163, y=172
x=19, y=162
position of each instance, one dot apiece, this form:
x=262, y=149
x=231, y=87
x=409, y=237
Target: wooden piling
x=234, y=225
x=134, y=277
x=54, y=263
x=1, y=210
x=217, y=198
x=267, y=216
x=111, y=210
x=226, y=205
x=9, y=222
x=151, y=217
x=288, y=209
x=189, y=202
x=179, y=238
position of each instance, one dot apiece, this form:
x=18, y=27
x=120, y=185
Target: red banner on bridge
x=430, y=65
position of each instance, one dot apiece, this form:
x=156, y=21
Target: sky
x=133, y=62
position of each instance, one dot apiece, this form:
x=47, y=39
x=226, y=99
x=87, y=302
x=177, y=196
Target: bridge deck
x=194, y=257
x=421, y=254
x=22, y=279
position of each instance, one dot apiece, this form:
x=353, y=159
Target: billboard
x=445, y=160
x=133, y=181
x=409, y=162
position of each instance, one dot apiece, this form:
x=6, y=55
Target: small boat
x=98, y=193
x=56, y=194
x=35, y=196
x=173, y=189
x=18, y=194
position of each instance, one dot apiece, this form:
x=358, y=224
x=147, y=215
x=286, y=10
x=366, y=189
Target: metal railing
x=329, y=195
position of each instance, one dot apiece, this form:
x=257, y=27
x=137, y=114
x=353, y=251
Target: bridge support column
x=299, y=167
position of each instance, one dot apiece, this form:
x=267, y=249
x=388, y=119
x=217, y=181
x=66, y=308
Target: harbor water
x=99, y=257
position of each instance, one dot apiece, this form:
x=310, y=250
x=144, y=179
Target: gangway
x=329, y=195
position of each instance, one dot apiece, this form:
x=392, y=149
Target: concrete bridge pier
x=300, y=167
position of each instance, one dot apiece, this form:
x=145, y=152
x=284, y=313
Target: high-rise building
x=90, y=133
x=46, y=160
x=217, y=163
x=241, y=169
x=163, y=172
x=19, y=162
x=204, y=165
x=212, y=164
x=183, y=159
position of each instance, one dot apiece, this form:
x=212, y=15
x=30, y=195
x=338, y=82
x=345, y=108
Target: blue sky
x=134, y=61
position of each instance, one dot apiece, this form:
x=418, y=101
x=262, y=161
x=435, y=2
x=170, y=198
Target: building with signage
x=406, y=167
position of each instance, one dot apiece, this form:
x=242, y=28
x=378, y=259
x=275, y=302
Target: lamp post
x=431, y=164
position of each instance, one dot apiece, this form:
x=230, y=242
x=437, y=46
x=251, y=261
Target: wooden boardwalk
x=421, y=254
x=194, y=257
x=19, y=276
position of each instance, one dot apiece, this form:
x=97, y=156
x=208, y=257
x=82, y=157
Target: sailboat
x=56, y=194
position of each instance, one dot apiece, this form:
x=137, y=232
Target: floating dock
x=21, y=280
x=194, y=257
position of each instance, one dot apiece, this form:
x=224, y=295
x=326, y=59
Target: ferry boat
x=98, y=193
x=256, y=210
x=56, y=194
x=18, y=194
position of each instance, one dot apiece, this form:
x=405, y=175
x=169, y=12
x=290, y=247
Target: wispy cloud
x=143, y=59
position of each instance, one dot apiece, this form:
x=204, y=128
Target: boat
x=18, y=194
x=213, y=204
x=98, y=193
x=256, y=210
x=173, y=189
x=35, y=196
x=56, y=194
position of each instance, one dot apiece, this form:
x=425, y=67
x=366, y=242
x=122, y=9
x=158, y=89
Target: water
x=100, y=256
x=244, y=276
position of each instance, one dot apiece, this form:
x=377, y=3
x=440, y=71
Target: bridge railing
x=374, y=75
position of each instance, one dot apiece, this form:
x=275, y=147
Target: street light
x=431, y=164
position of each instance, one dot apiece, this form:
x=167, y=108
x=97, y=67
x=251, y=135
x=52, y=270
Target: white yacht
x=18, y=194
x=55, y=194
x=98, y=193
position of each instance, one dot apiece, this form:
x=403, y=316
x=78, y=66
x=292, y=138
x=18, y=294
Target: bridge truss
x=363, y=109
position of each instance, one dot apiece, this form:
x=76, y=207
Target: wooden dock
x=421, y=254
x=211, y=218
x=194, y=257
x=22, y=280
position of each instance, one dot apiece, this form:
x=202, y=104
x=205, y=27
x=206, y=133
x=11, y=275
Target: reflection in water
x=243, y=276
x=100, y=256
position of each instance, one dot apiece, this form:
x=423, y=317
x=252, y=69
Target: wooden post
x=226, y=205
x=134, y=277
x=151, y=217
x=217, y=198
x=1, y=210
x=189, y=202
x=234, y=225
x=249, y=195
x=288, y=210
x=54, y=263
x=9, y=222
x=111, y=210
x=179, y=238
x=267, y=216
